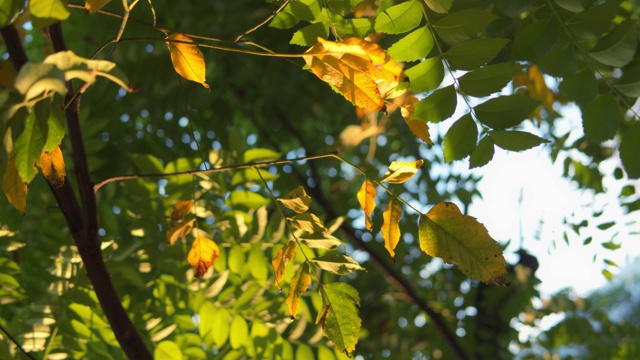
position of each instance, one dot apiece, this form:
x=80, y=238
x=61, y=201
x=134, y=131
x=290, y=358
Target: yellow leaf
x=296, y=200
x=181, y=209
x=353, y=67
x=299, y=284
x=418, y=127
x=202, y=255
x=93, y=6
x=52, y=166
x=460, y=239
x=367, y=199
x=400, y=171
x=307, y=222
x=14, y=188
x=187, y=59
x=283, y=257
x=391, y=226
x=179, y=230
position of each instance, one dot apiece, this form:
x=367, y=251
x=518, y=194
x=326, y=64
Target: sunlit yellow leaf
x=391, y=226
x=367, y=200
x=179, y=230
x=181, y=209
x=307, y=222
x=299, y=284
x=53, y=168
x=14, y=188
x=401, y=171
x=187, y=59
x=93, y=6
x=296, y=200
x=283, y=257
x=418, y=127
x=352, y=67
x=460, y=239
x=202, y=255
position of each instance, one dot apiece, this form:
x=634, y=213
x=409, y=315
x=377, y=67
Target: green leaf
x=248, y=199
x=618, y=47
x=167, y=350
x=560, y=61
x=611, y=263
x=571, y=5
x=534, y=40
x=439, y=6
x=472, y=54
x=629, y=83
x=339, y=320
x=427, y=75
x=337, y=263
x=461, y=240
x=47, y=12
x=438, y=106
x=610, y=245
x=308, y=35
x=258, y=263
x=606, y=225
x=307, y=10
x=245, y=176
x=284, y=20
x=607, y=274
x=303, y=351
x=515, y=140
x=463, y=25
x=56, y=124
x=505, y=111
x=354, y=27
x=629, y=150
x=413, y=46
x=37, y=78
x=601, y=117
x=9, y=10
x=399, y=18
x=461, y=138
x=28, y=147
x=593, y=22
x=483, y=153
x=581, y=87
x=239, y=334
x=76, y=67
x=489, y=79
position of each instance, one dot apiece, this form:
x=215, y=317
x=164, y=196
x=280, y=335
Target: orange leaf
x=179, y=230
x=187, y=59
x=367, y=200
x=279, y=262
x=202, y=255
x=52, y=166
x=419, y=128
x=299, y=284
x=390, y=227
x=14, y=188
x=352, y=67
x=181, y=209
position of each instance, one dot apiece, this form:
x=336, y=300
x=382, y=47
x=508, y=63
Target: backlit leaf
x=281, y=260
x=28, y=147
x=187, y=59
x=391, y=226
x=438, y=106
x=367, y=199
x=418, y=127
x=340, y=321
x=179, y=230
x=239, y=334
x=309, y=34
x=337, y=263
x=489, y=79
x=399, y=18
x=248, y=199
x=168, y=350
x=472, y=54
x=260, y=154
x=56, y=124
x=352, y=67
x=401, y=171
x=353, y=27
x=463, y=25
x=439, y=6
x=53, y=168
x=515, y=140
x=427, y=75
x=320, y=240
x=461, y=240
x=87, y=70
x=629, y=150
x=202, y=255
x=414, y=46
x=460, y=139
x=601, y=117
x=483, y=153
x=296, y=200
x=505, y=111
x=298, y=286
x=307, y=222
x=14, y=187
x=618, y=47
x=181, y=209
x=93, y=6
x=47, y=12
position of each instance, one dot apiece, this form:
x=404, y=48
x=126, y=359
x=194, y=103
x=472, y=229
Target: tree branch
x=86, y=237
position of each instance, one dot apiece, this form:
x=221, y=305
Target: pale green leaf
x=629, y=150
x=339, y=320
x=463, y=25
x=239, y=332
x=461, y=138
x=617, y=47
x=515, y=140
x=248, y=199
x=47, y=12
x=600, y=118
x=260, y=154
x=461, y=240
x=168, y=350
x=37, y=78
x=489, y=79
x=439, y=6
x=427, y=75
x=505, y=111
x=337, y=263
x=472, y=54
x=76, y=67
x=414, y=46
x=250, y=176
x=399, y=18
x=483, y=153
x=438, y=106
x=258, y=262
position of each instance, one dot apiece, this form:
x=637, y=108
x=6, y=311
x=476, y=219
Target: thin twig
x=16, y=343
x=101, y=183
x=284, y=4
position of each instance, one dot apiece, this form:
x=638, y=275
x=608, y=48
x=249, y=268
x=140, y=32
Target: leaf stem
x=284, y=4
